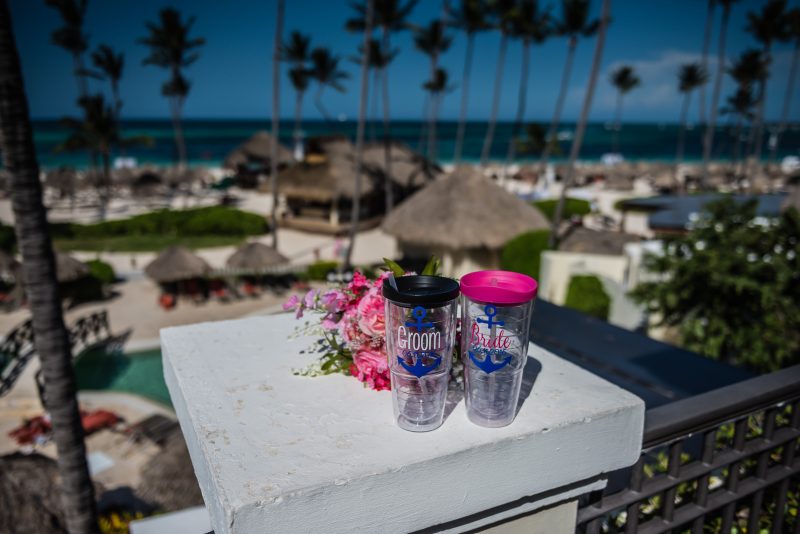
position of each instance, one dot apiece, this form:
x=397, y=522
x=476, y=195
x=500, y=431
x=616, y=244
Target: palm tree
x=355, y=208
x=532, y=25
x=70, y=37
x=766, y=26
x=171, y=48
x=109, y=67
x=437, y=87
x=749, y=71
x=273, y=156
x=325, y=71
x=574, y=24
x=296, y=51
x=624, y=79
x=391, y=16
x=503, y=11
x=97, y=132
x=793, y=33
x=470, y=18
x=378, y=60
x=706, y=45
x=740, y=105
x=708, y=137
x=51, y=339
x=690, y=77
x=602, y=27
x=432, y=41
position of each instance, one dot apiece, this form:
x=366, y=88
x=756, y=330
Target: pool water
x=137, y=372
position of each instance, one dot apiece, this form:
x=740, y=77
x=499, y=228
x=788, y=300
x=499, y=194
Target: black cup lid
x=421, y=290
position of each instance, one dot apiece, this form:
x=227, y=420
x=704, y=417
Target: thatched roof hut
x=30, y=499
x=324, y=182
x=257, y=149
x=463, y=210
x=409, y=168
x=168, y=479
x=68, y=269
x=176, y=263
x=255, y=256
x=580, y=239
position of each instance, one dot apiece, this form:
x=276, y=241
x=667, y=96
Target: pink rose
x=371, y=367
x=358, y=282
x=371, y=314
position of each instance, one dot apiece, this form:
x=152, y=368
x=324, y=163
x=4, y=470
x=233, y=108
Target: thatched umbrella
x=581, y=239
x=68, y=269
x=257, y=149
x=30, y=499
x=409, y=168
x=463, y=210
x=168, y=480
x=255, y=256
x=176, y=263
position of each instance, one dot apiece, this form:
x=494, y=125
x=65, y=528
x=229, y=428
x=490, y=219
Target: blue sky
x=232, y=77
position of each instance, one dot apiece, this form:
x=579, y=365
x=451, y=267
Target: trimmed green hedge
x=585, y=293
x=319, y=270
x=523, y=253
x=572, y=206
x=102, y=271
x=214, y=220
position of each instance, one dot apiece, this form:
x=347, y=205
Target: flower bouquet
x=350, y=323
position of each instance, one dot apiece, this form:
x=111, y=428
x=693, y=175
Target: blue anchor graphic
x=487, y=365
x=419, y=313
x=491, y=311
x=419, y=369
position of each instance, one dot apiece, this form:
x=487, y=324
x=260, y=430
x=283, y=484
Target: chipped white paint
x=277, y=452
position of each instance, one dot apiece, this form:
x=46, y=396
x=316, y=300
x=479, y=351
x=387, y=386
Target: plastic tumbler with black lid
x=421, y=314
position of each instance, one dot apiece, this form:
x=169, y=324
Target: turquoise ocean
x=209, y=141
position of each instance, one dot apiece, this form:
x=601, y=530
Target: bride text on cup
x=417, y=340
x=500, y=341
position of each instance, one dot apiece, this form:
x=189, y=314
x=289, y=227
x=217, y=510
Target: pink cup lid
x=499, y=287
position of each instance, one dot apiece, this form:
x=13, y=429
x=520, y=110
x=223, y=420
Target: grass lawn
x=143, y=243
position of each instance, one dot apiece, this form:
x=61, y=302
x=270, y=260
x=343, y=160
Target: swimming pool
x=136, y=372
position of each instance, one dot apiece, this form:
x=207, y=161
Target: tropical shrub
x=523, y=253
x=319, y=270
x=102, y=271
x=585, y=293
x=572, y=206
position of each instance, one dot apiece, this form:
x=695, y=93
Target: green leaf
x=394, y=267
x=433, y=267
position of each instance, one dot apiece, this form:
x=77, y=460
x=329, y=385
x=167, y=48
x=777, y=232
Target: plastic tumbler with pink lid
x=495, y=320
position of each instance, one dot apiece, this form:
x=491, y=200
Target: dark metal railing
x=727, y=458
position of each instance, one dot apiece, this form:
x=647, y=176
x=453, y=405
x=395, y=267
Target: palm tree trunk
x=708, y=138
x=373, y=114
x=362, y=112
x=521, y=103
x=617, y=124
x=80, y=78
x=431, y=111
x=498, y=80
x=319, y=106
x=706, y=46
x=38, y=262
x=105, y=187
x=580, y=130
x=759, y=125
x=423, y=128
x=298, y=122
x=462, y=116
x=562, y=94
x=387, y=134
x=787, y=100
x=681, y=137
x=436, y=101
x=737, y=142
x=276, y=105
x=176, y=104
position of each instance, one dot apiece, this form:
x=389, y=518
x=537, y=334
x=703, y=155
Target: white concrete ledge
x=281, y=453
